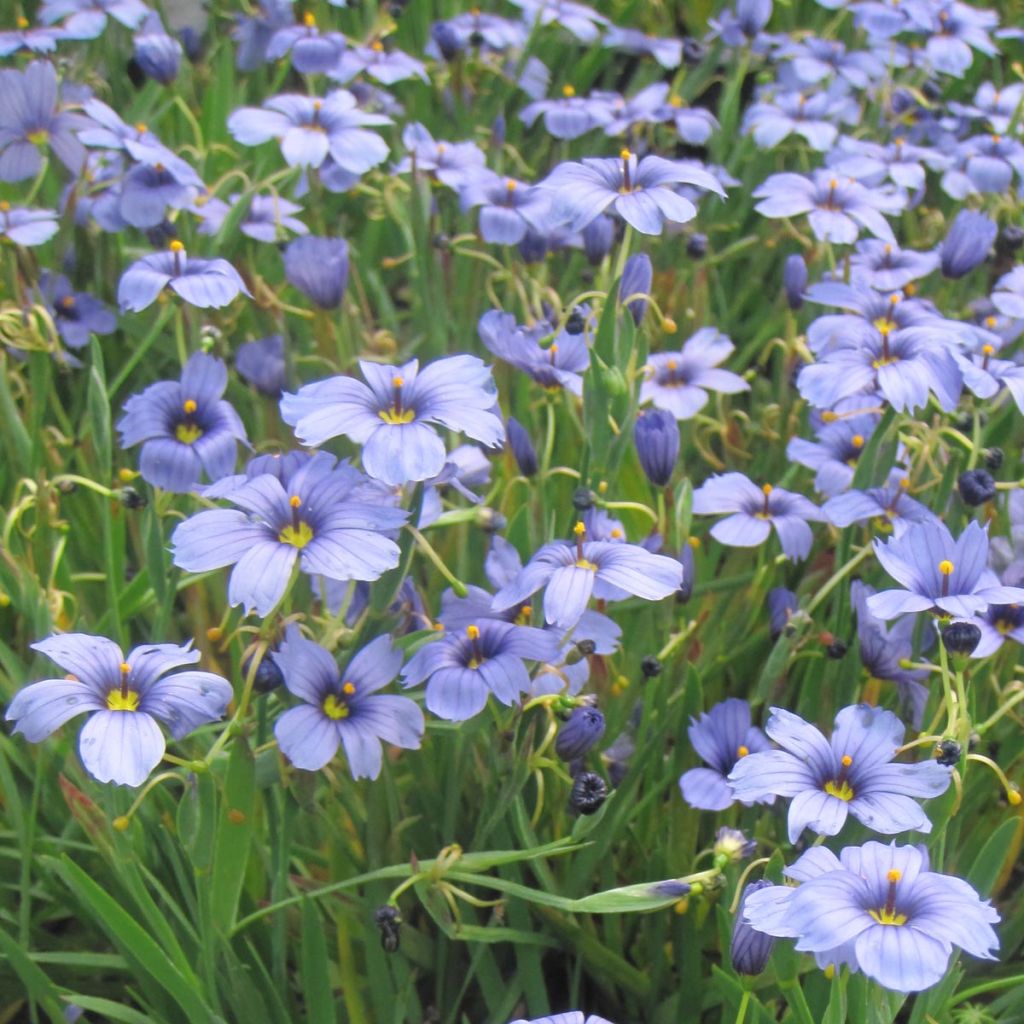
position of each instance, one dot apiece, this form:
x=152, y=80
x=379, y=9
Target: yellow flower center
x=839, y=787
x=187, y=433
x=118, y=701
x=39, y=136
x=395, y=416
x=884, y=916
x=298, y=536
x=335, y=707
x=583, y=563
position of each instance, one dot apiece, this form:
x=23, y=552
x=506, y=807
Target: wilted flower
x=343, y=707
x=522, y=447
x=391, y=415
x=185, y=428
x=939, y=573
x=878, y=909
x=318, y=267
x=852, y=774
x=754, y=511
x=202, y=283
x=121, y=742
x=722, y=737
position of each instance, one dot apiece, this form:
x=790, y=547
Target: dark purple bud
x=836, y=650
x=318, y=267
x=656, y=436
x=133, y=499
x=589, y=791
x=533, y=247
x=598, y=236
x=749, y=949
x=781, y=605
x=389, y=922
x=584, y=728
x=158, y=54
x=582, y=499
x=268, y=675
x=949, y=752
x=967, y=243
x=993, y=457
x=576, y=324
x=902, y=101
x=976, y=486
x=794, y=280
x=961, y=637
x=522, y=447
x=192, y=40
x=1010, y=239
x=580, y=649
x=261, y=364
x=447, y=39
x=636, y=279
x=650, y=666
x=697, y=246
x=671, y=888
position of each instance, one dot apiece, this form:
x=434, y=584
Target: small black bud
x=589, y=791
x=1009, y=240
x=132, y=498
x=976, y=486
x=650, y=666
x=697, y=246
x=993, y=458
x=693, y=51
x=836, y=650
x=961, y=637
x=582, y=499
x=389, y=921
x=576, y=323
x=268, y=675
x=476, y=39
x=586, y=647
x=949, y=753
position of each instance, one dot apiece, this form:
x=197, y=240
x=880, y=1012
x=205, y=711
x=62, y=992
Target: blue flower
x=812, y=117
x=121, y=742
x=31, y=117
x=262, y=364
x=570, y=570
x=852, y=774
x=879, y=909
x=185, y=428
x=953, y=29
x=314, y=522
x=509, y=208
x=640, y=192
x=202, y=283
x=148, y=189
x=667, y=52
x=252, y=34
x=462, y=669
x=266, y=218
x=24, y=37
x=753, y=511
x=900, y=161
x=391, y=415
x=722, y=737
x=26, y=226
x=86, y=19
x=656, y=436
x=157, y=53
x=678, y=382
x=835, y=451
x=967, y=243
x=939, y=573
x=579, y=19
x=343, y=707
x=554, y=366
x=310, y=129
x=567, y=116
x=887, y=267
x=77, y=315
x=318, y=267
x=385, y=66
x=452, y=163
x=312, y=51
x=890, y=505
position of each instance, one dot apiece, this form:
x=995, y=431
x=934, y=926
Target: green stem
x=987, y=986
x=837, y=577
x=424, y=545
x=744, y=1003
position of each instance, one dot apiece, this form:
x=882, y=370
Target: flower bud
x=636, y=278
x=976, y=486
x=268, y=675
x=948, y=754
x=589, y=791
x=794, y=280
x=1009, y=240
x=577, y=323
x=650, y=666
x=261, y=363
x=685, y=591
x=836, y=650
x=582, y=499
x=749, y=949
x=584, y=728
x=580, y=649
x=697, y=246
x=967, y=243
x=389, y=921
x=961, y=637
x=318, y=267
x=598, y=236
x=656, y=436
x=446, y=39
x=522, y=447
x=782, y=604
x=534, y=246
x=133, y=499
x=693, y=51
x=157, y=53
x=993, y=458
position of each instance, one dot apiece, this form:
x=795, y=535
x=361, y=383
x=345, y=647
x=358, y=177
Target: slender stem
x=987, y=986
x=837, y=577
x=424, y=545
x=744, y=1003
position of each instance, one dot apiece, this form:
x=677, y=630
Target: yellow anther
x=214, y=633
x=526, y=611
x=895, y=297
x=141, y=127
x=309, y=19
x=905, y=483
x=616, y=533
x=348, y=688
x=22, y=21
x=397, y=382
x=295, y=501
x=833, y=184
x=742, y=751
x=990, y=321
x=857, y=440
x=887, y=249
x=846, y=760
x=377, y=46
x=675, y=101
x=579, y=529
x=176, y=245
x=829, y=417
x=893, y=876
x=568, y=91
x=473, y=632
x=125, y=668
x=767, y=489
x=671, y=364
x=988, y=350
x=694, y=542
x=997, y=139
x=189, y=406
x=553, y=349
x=946, y=567
x=4, y=205
x=625, y=154
x=318, y=104
x=511, y=185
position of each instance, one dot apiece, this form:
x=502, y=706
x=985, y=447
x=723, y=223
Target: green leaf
x=313, y=967
x=988, y=865
x=234, y=836
x=135, y=942
x=112, y=1011
x=38, y=986
x=99, y=411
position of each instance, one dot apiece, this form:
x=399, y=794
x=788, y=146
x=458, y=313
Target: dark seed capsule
x=961, y=637
x=589, y=791
x=268, y=675
x=132, y=498
x=836, y=650
x=932, y=90
x=389, y=921
x=582, y=499
x=575, y=324
x=650, y=666
x=949, y=753
x=1009, y=240
x=993, y=458
x=976, y=486
x=697, y=246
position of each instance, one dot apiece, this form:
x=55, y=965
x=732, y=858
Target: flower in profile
x=343, y=708
x=121, y=742
x=202, y=283
x=148, y=189
x=26, y=37
x=637, y=276
x=812, y=117
x=462, y=669
x=77, y=315
x=722, y=737
x=385, y=65
x=522, y=447
x=641, y=192
x=318, y=267
x=311, y=129
x=882, y=652
x=967, y=243
x=391, y=414
x=252, y=33
x=571, y=570
x=553, y=366
x=939, y=573
x=749, y=949
x=157, y=53
x=567, y=116
x=678, y=382
x=31, y=119
x=838, y=207
x=854, y=773
x=667, y=52
x=753, y=511
x=891, y=505
x=452, y=163
x=509, y=208
x=315, y=522
x=743, y=26
x=185, y=428
x=794, y=280
x=783, y=604
x=879, y=909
